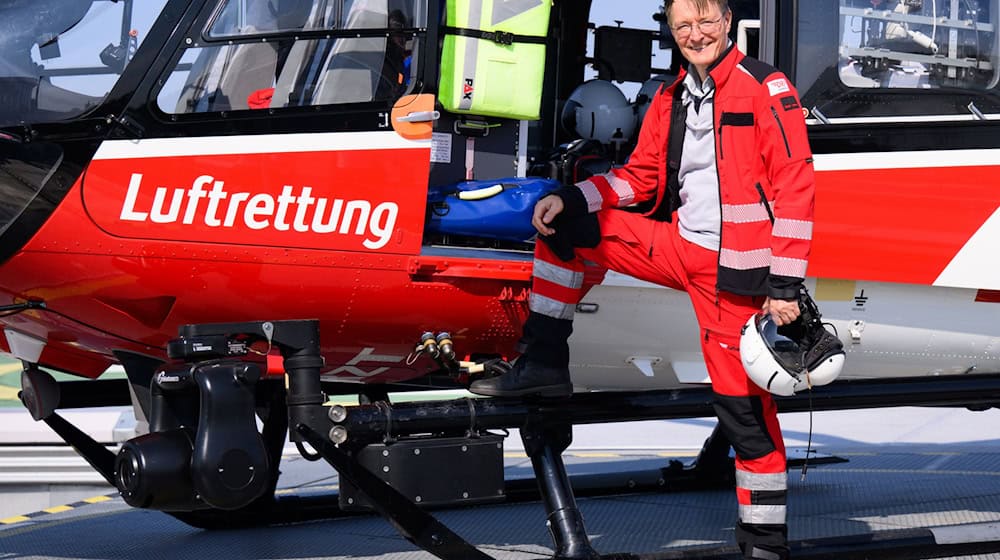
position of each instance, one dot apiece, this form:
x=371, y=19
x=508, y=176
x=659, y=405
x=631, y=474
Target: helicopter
x=250, y=205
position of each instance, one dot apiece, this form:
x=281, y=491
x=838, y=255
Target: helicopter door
x=279, y=123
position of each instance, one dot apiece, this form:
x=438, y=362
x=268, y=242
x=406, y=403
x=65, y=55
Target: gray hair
x=702, y=5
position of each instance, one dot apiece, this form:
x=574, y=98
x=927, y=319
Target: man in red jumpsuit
x=724, y=157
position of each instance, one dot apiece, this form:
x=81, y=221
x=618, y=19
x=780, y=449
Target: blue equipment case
x=496, y=209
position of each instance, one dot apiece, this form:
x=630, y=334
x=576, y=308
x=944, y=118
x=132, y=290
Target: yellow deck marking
x=57, y=509
x=97, y=499
x=54, y=509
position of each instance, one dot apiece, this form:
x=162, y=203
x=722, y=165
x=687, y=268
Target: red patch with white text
x=790, y=103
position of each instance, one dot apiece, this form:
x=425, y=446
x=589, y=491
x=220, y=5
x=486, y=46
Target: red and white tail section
x=904, y=217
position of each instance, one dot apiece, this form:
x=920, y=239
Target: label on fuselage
x=295, y=209
x=349, y=191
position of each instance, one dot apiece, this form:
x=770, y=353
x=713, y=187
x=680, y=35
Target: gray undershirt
x=700, y=214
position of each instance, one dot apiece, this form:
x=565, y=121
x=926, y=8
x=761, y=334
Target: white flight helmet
x=597, y=110
x=783, y=360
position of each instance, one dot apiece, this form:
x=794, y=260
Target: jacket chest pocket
x=735, y=129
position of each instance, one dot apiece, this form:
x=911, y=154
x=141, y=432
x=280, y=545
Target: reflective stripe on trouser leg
x=556, y=285
x=761, y=497
x=751, y=425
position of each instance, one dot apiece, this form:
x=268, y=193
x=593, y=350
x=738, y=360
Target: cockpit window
x=247, y=17
x=60, y=59
x=917, y=44
x=877, y=58
x=260, y=62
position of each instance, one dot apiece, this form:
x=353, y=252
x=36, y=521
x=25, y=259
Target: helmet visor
x=786, y=350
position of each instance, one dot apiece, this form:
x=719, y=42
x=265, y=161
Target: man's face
x=701, y=36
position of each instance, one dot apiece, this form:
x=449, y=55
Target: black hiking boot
x=543, y=368
x=527, y=378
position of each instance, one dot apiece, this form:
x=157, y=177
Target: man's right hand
x=546, y=210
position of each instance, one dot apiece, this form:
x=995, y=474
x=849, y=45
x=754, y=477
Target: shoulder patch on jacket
x=759, y=70
x=777, y=86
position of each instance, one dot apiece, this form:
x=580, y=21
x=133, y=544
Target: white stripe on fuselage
x=258, y=144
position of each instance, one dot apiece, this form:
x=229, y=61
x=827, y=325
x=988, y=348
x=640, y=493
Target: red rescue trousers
x=655, y=252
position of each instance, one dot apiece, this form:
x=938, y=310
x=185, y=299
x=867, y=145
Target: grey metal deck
x=908, y=468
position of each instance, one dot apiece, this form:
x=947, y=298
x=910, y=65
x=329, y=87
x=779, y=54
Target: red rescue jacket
x=766, y=178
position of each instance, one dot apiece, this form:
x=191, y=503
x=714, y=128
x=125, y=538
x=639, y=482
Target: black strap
x=675, y=140
x=498, y=37
x=674, y=148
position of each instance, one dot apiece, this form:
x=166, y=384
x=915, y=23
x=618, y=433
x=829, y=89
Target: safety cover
x=493, y=57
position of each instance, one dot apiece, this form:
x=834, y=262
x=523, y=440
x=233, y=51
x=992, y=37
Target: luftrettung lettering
x=292, y=210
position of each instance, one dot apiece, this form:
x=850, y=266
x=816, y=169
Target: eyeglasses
x=707, y=27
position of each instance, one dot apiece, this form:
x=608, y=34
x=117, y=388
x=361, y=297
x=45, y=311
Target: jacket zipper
x=718, y=186
x=782, y=129
x=763, y=200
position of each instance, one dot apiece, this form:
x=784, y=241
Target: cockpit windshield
x=60, y=58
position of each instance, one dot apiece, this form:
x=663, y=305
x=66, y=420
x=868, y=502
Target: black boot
x=543, y=368
x=762, y=542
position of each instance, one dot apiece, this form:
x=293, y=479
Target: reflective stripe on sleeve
x=592, y=194
x=624, y=190
x=550, y=307
x=784, y=266
x=795, y=229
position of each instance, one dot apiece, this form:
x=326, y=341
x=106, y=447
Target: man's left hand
x=782, y=311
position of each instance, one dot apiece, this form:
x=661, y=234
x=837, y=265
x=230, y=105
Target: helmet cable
x=809, y=449
x=809, y=389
